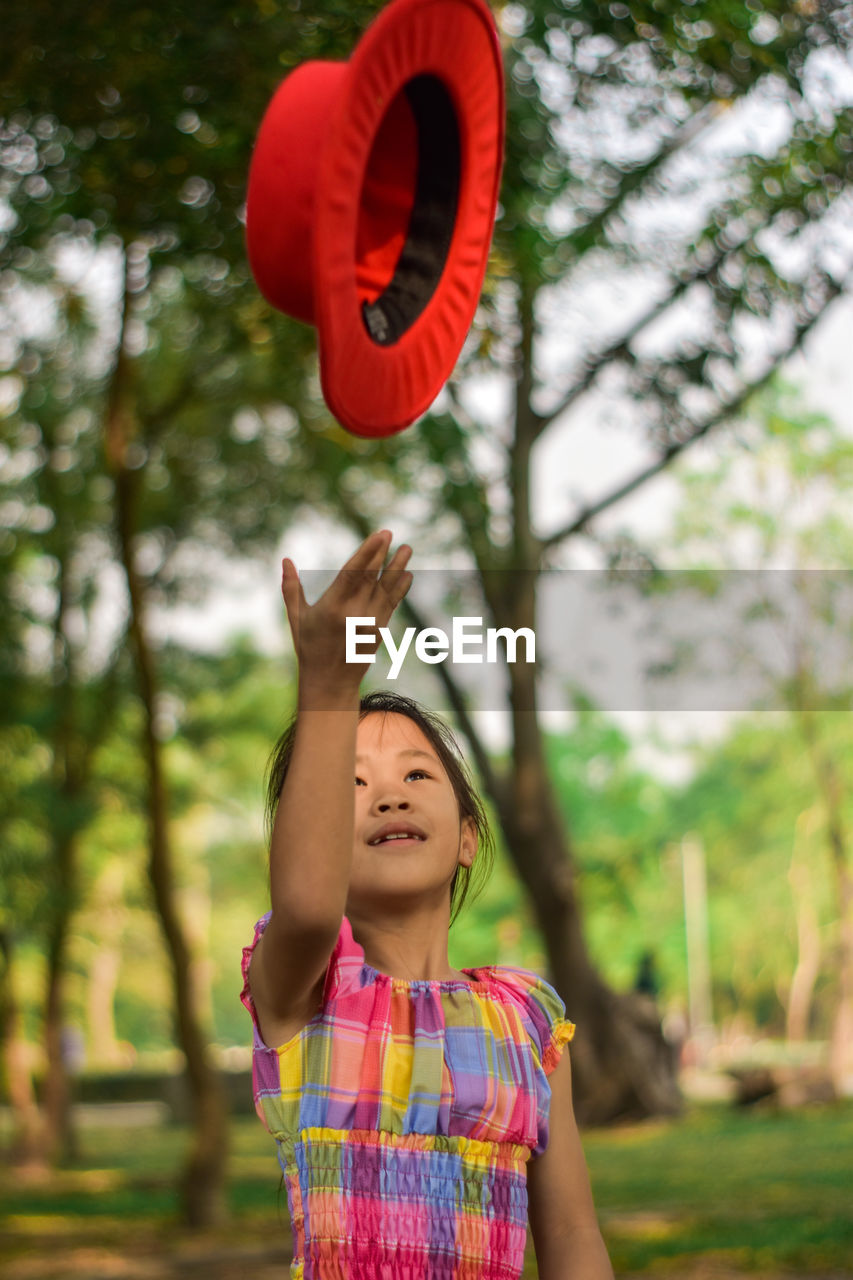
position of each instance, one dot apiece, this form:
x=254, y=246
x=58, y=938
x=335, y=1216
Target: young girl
x=418, y=1109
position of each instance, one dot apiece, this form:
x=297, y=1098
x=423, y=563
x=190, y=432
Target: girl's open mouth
x=394, y=833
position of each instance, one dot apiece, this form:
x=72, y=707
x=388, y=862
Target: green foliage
x=781, y=509
x=781, y=504
x=123, y=128
x=220, y=716
x=135, y=122
x=750, y=802
x=23, y=844
x=612, y=168
x=620, y=822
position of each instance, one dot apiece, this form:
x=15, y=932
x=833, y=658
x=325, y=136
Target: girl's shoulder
x=345, y=969
x=542, y=1009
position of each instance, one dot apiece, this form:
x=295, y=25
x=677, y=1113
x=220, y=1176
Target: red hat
x=372, y=196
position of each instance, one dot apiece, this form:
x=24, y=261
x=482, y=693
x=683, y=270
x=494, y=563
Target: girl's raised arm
x=313, y=831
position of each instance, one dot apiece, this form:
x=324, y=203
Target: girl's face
x=409, y=836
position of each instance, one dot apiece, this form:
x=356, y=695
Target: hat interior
x=407, y=210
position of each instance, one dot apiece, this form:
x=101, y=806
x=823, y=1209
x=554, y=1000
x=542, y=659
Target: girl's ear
x=468, y=842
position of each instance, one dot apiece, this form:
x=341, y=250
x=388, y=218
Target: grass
x=751, y=1192
x=757, y=1190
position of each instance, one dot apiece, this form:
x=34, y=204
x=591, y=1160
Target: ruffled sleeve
x=246, y=993
x=274, y=1067
x=548, y=1013
x=346, y=969
x=542, y=1011
x=548, y=1030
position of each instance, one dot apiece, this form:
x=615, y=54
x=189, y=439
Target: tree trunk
x=622, y=1065
x=799, y=1004
x=841, y=1049
x=203, y=1178
x=105, y=965
x=829, y=788
x=68, y=781
x=56, y=1100
x=27, y=1146
x=100, y=1004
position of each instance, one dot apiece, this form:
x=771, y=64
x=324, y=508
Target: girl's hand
x=362, y=588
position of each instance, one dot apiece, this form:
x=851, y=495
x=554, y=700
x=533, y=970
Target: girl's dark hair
x=468, y=881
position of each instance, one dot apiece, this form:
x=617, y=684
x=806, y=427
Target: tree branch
x=586, y=234
x=619, y=349
x=526, y=546
x=726, y=410
x=186, y=391
x=156, y=418
x=116, y=430
x=483, y=548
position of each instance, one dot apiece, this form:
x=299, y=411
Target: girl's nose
x=388, y=801
x=388, y=804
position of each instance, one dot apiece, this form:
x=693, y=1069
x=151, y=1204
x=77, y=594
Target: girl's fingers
x=397, y=587
x=395, y=579
x=365, y=564
x=371, y=554
x=291, y=590
x=400, y=558
x=361, y=575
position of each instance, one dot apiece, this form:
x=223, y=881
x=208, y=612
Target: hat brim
x=376, y=388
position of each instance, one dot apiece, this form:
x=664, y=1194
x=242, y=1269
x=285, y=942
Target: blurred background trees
x=783, y=506
x=673, y=224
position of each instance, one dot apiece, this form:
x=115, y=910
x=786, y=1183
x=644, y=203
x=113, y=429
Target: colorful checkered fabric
x=405, y=1114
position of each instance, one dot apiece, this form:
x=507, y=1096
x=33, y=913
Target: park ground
x=721, y=1194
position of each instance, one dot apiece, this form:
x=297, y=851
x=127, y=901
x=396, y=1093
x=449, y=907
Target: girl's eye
x=359, y=782
x=416, y=773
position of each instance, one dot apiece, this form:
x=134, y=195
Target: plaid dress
x=405, y=1114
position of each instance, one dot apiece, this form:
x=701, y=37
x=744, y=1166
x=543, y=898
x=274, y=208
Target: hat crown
x=283, y=181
